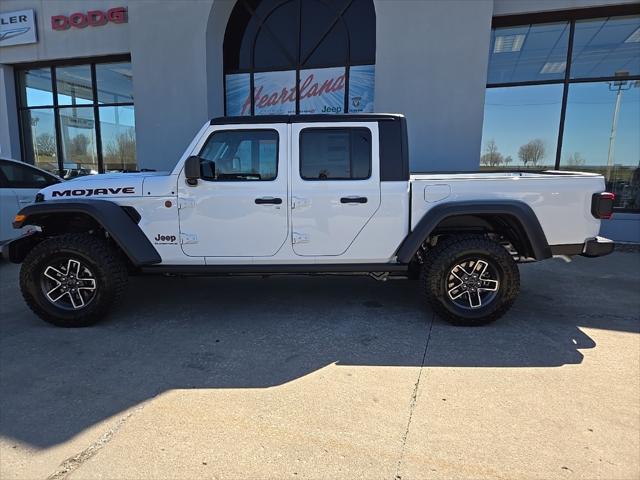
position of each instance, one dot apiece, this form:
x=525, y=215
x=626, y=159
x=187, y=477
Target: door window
x=22, y=176
x=240, y=155
x=335, y=154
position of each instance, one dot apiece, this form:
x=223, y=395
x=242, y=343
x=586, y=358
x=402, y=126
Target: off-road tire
x=105, y=263
x=452, y=251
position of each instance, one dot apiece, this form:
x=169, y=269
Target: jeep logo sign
x=93, y=18
x=17, y=28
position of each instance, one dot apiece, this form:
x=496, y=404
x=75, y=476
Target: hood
x=106, y=185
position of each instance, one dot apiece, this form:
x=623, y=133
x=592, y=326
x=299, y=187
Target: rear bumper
x=593, y=247
x=598, y=247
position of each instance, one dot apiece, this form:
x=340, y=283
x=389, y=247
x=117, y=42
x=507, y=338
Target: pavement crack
x=73, y=463
x=412, y=403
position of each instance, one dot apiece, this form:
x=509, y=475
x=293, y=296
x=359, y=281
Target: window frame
x=299, y=64
x=56, y=107
x=212, y=134
x=349, y=130
x=571, y=16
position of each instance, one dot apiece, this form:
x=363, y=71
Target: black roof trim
x=259, y=119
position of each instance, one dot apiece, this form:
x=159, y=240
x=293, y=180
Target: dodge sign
x=17, y=28
x=93, y=18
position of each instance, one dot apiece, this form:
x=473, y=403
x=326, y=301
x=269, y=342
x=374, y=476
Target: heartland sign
x=93, y=18
x=17, y=28
x=321, y=90
x=314, y=93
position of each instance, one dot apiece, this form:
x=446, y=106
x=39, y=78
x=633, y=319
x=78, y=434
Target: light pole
x=34, y=123
x=617, y=86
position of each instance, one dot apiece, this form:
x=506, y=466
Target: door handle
x=353, y=200
x=268, y=201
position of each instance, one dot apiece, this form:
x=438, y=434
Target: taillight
x=602, y=205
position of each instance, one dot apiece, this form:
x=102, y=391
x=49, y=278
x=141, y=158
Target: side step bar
x=274, y=269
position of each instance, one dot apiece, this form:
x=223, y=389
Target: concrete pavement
x=328, y=377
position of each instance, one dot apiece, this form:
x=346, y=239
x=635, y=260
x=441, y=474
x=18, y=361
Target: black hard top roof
x=349, y=117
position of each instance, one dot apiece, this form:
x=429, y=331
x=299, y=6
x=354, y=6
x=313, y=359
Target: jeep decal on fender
x=89, y=192
x=160, y=239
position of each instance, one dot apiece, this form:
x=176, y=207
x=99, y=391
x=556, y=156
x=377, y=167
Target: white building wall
x=431, y=65
x=168, y=56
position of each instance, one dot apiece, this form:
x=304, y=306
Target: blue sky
x=515, y=115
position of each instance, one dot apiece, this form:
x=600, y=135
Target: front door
x=335, y=185
x=239, y=206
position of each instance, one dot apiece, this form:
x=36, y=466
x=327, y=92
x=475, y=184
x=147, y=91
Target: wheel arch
x=58, y=217
x=513, y=219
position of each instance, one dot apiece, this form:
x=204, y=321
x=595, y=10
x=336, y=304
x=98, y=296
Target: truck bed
x=561, y=200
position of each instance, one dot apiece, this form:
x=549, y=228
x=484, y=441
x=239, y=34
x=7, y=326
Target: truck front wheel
x=72, y=280
x=470, y=280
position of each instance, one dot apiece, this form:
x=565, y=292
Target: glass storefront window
x=238, y=94
x=606, y=47
x=317, y=20
x=520, y=127
x=543, y=112
x=322, y=90
x=74, y=85
x=39, y=130
x=298, y=56
x=36, y=88
x=361, y=88
x=602, y=135
x=275, y=93
x=114, y=82
x=276, y=42
x=61, y=121
x=528, y=53
x=118, y=134
x=78, y=142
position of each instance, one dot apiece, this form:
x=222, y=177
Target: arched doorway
x=299, y=56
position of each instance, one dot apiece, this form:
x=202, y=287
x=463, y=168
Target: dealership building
x=90, y=86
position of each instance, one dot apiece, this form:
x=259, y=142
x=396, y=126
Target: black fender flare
x=519, y=210
x=110, y=216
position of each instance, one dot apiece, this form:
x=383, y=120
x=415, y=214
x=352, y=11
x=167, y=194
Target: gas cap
x=435, y=193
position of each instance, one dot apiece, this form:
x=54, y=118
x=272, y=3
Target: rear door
x=335, y=185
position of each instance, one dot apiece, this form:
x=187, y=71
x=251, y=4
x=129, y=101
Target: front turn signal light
x=19, y=218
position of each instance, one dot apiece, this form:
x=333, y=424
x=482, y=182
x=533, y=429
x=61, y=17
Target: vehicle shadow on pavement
x=181, y=333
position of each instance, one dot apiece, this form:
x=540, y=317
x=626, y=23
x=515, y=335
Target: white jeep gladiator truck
x=303, y=195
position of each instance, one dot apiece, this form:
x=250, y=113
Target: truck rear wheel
x=470, y=280
x=72, y=280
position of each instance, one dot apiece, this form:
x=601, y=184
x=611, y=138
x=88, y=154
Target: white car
x=19, y=183
x=304, y=194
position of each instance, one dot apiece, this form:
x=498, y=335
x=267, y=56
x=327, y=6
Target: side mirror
x=208, y=170
x=192, y=170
